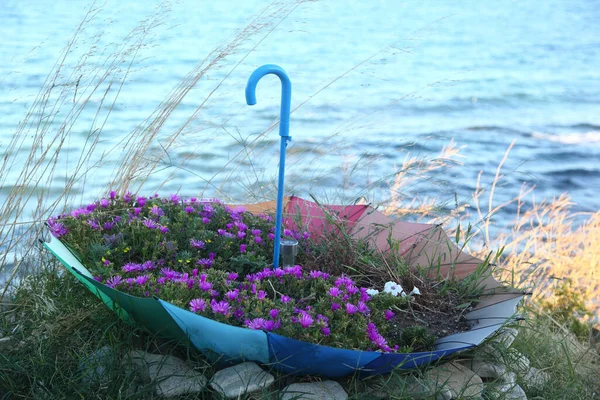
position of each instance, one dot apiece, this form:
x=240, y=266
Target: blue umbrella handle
x=284, y=132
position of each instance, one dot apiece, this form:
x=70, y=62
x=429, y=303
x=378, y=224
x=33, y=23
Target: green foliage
x=567, y=307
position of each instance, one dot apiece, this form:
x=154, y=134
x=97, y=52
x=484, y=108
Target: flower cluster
x=211, y=259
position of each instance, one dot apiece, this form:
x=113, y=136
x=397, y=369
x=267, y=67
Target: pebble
x=247, y=377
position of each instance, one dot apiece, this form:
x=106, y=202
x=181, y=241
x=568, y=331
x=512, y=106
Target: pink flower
x=197, y=305
x=389, y=314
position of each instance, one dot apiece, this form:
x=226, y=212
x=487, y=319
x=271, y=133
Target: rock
x=535, y=378
x=95, y=365
x=517, y=362
x=508, y=391
x=327, y=390
x=462, y=382
x=506, y=337
x=240, y=379
x=485, y=369
x=172, y=375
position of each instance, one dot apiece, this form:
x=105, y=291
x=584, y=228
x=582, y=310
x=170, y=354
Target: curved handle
x=286, y=93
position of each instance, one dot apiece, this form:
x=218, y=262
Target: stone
x=485, y=369
x=517, y=362
x=535, y=378
x=95, y=365
x=173, y=377
x=326, y=390
x=508, y=391
x=247, y=377
x=462, y=382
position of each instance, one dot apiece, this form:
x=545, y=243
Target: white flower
x=372, y=292
x=415, y=291
x=393, y=288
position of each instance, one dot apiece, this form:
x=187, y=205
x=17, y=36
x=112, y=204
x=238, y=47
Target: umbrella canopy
x=420, y=244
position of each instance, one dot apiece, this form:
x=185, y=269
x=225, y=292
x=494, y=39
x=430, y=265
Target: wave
x=591, y=137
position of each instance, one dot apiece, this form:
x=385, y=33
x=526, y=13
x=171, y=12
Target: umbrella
x=234, y=344
x=420, y=245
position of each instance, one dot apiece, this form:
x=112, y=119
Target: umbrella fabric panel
x=208, y=336
x=314, y=215
x=297, y=357
x=391, y=361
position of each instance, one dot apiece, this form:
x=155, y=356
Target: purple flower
x=198, y=244
x=270, y=325
x=108, y=225
x=255, y=232
x=316, y=274
x=127, y=197
x=131, y=267
x=114, y=281
x=91, y=207
x=113, y=194
x=285, y=299
x=343, y=281
x=389, y=314
x=141, y=201
x=205, y=262
x=305, y=320
x=335, y=306
x=232, y=276
x=204, y=286
x=258, y=239
x=271, y=236
x=57, y=229
x=351, y=308
x=205, y=220
x=232, y=294
x=98, y=278
x=163, y=229
x=221, y=307
x=241, y=226
x=148, y=266
x=142, y=280
x=156, y=210
x=362, y=308
x=242, y=248
x=150, y=224
x=376, y=338
x=306, y=235
x=189, y=209
x=175, y=199
x=334, y=291
x=351, y=289
x=104, y=203
x=241, y=235
x=93, y=224
x=256, y=323
x=288, y=232
x=197, y=305
x=325, y=331
x=261, y=295
x=274, y=313
x=137, y=211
